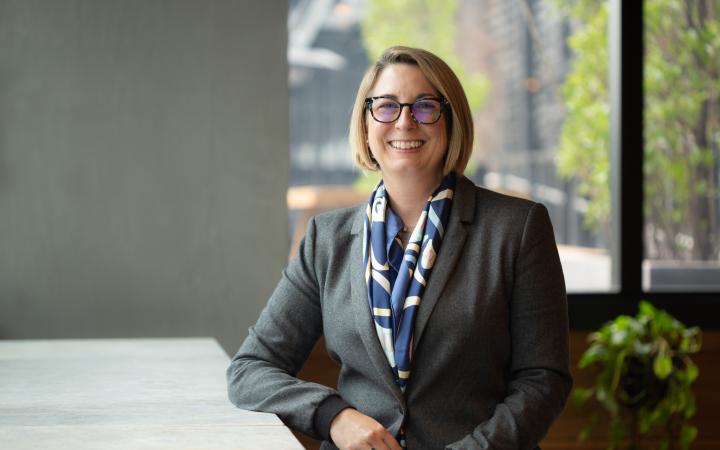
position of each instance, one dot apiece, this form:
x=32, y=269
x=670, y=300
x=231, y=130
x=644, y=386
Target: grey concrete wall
x=143, y=166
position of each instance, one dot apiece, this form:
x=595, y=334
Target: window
x=682, y=146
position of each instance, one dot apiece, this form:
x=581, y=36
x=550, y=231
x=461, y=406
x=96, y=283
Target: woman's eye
x=386, y=106
x=426, y=105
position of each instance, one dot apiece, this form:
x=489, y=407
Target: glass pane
x=682, y=145
x=536, y=76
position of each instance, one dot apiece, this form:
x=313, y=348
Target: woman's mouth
x=406, y=145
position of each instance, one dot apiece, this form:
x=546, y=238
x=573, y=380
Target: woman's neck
x=408, y=196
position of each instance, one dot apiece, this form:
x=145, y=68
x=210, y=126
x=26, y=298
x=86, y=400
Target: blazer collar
x=463, y=210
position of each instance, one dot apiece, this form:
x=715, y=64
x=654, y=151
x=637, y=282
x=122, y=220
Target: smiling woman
x=442, y=302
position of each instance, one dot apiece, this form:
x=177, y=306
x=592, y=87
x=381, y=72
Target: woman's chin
x=409, y=169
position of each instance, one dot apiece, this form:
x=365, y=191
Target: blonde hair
x=458, y=117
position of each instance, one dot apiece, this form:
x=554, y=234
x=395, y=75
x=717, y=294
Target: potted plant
x=643, y=381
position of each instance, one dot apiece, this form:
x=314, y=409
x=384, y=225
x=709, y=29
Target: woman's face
x=406, y=147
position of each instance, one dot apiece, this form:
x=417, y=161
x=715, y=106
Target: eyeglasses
x=425, y=110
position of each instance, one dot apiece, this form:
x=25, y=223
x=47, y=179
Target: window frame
x=590, y=310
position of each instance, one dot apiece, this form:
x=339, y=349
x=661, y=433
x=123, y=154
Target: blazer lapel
x=361, y=309
x=463, y=209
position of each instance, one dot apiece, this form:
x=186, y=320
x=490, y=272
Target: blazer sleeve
x=540, y=380
x=262, y=375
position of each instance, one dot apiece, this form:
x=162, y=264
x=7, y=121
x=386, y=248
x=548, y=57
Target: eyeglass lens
x=425, y=111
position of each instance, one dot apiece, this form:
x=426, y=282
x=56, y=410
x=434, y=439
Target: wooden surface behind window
x=563, y=434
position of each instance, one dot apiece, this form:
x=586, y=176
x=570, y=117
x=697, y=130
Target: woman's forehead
x=403, y=81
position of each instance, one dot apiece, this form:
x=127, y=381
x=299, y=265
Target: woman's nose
x=406, y=120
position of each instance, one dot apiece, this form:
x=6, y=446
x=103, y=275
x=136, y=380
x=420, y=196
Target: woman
x=443, y=303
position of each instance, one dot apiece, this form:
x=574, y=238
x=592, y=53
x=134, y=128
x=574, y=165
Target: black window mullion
x=588, y=311
x=630, y=198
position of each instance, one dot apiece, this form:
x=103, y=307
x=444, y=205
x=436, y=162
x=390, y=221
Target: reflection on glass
x=682, y=145
x=535, y=72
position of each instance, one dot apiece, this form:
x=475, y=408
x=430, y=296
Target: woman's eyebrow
x=417, y=97
x=390, y=96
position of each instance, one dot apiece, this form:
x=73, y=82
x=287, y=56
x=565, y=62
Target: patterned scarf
x=394, y=305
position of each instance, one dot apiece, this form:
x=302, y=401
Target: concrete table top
x=125, y=394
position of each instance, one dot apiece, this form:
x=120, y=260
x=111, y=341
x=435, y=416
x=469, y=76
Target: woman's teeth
x=404, y=145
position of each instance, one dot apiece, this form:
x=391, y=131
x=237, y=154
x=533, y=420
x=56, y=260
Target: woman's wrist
x=326, y=411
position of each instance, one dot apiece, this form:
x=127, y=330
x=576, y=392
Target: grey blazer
x=490, y=361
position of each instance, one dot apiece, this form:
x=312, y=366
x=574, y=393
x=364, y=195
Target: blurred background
x=536, y=73
x=159, y=160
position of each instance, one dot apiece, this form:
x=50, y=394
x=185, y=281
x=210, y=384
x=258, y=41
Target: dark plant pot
x=639, y=387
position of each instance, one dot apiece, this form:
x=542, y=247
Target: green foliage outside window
x=682, y=127
x=682, y=122
x=584, y=146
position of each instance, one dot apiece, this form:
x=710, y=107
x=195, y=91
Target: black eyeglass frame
x=444, y=105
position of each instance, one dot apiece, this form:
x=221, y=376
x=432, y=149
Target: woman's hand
x=353, y=430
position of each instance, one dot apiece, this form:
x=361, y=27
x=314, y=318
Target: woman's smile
x=406, y=145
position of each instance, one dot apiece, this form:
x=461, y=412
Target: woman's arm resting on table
x=262, y=375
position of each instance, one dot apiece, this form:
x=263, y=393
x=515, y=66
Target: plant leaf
x=662, y=366
x=687, y=436
x=581, y=395
x=595, y=353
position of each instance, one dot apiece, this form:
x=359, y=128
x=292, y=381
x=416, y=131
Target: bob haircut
x=459, y=120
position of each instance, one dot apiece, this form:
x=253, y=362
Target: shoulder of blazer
x=482, y=203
